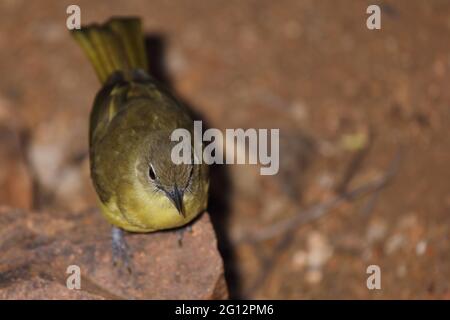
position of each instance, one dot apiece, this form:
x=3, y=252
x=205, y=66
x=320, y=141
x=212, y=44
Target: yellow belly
x=137, y=210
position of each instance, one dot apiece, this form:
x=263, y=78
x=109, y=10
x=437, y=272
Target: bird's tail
x=117, y=45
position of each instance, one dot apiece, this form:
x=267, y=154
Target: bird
x=139, y=188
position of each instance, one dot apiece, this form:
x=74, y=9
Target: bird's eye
x=151, y=173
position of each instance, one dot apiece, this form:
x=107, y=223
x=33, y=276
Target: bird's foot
x=120, y=252
x=181, y=231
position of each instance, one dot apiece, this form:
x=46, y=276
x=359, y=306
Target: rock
x=38, y=247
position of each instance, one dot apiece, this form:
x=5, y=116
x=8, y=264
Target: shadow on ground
x=220, y=186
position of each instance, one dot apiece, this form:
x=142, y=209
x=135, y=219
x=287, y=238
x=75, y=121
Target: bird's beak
x=176, y=196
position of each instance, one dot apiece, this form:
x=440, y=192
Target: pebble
x=421, y=247
x=394, y=243
x=319, y=250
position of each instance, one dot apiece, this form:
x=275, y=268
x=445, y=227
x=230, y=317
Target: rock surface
x=38, y=247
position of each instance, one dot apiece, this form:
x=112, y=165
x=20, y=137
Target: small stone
x=176, y=62
x=421, y=247
x=319, y=250
x=394, y=243
x=299, y=111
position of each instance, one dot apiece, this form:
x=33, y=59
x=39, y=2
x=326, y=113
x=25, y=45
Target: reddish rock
x=38, y=247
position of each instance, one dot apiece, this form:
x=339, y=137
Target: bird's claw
x=181, y=232
x=120, y=252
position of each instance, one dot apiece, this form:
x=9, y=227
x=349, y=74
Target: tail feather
x=131, y=37
x=117, y=45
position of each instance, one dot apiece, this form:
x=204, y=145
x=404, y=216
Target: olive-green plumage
x=139, y=187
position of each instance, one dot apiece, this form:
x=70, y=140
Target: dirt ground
x=350, y=103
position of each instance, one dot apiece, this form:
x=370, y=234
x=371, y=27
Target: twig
x=320, y=209
x=369, y=206
x=268, y=264
x=287, y=227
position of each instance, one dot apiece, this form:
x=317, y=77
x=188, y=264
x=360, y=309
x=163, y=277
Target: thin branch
x=355, y=164
x=320, y=209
